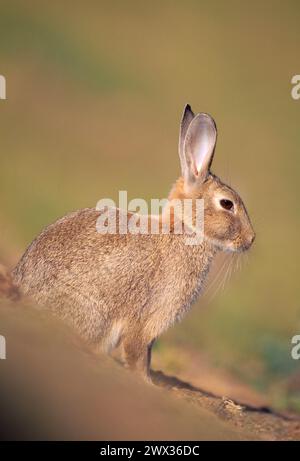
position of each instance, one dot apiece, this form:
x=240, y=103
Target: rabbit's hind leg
x=137, y=354
x=113, y=337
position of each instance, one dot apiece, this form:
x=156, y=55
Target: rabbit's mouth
x=235, y=246
x=241, y=246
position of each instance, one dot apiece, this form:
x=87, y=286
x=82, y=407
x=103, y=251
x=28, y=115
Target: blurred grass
x=95, y=92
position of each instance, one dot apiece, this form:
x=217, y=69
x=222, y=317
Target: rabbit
x=124, y=289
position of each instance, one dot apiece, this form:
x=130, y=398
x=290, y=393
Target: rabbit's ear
x=186, y=119
x=199, y=146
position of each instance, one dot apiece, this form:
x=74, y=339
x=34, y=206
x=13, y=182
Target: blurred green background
x=95, y=91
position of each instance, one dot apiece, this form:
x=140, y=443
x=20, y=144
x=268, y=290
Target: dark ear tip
x=187, y=111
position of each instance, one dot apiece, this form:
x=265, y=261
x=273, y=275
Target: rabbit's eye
x=226, y=204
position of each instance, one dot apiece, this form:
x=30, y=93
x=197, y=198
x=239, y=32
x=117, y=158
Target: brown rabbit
x=128, y=289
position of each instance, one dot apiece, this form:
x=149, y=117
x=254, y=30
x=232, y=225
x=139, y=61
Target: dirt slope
x=54, y=387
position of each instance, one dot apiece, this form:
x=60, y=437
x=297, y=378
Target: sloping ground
x=53, y=387
x=261, y=422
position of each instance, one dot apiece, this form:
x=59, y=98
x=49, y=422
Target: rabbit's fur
x=128, y=289
x=7, y=287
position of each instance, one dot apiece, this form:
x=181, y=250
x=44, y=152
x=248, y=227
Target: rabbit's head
x=226, y=222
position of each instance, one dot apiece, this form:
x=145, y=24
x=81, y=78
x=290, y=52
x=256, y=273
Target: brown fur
x=7, y=288
x=128, y=289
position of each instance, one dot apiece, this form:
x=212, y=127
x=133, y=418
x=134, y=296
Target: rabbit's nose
x=251, y=239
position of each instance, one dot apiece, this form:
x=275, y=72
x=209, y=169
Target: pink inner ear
x=204, y=150
x=196, y=171
x=199, y=144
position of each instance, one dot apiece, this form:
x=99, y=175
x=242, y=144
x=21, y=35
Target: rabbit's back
x=91, y=279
